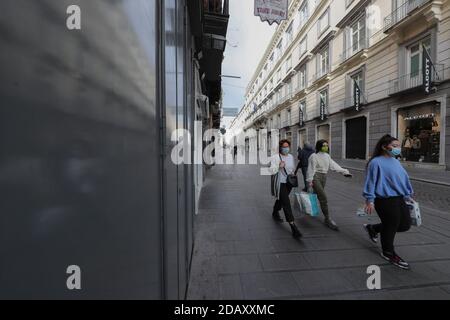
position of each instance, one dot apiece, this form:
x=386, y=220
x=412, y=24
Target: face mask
x=285, y=150
x=395, y=152
x=325, y=149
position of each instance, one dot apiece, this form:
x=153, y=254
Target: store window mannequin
x=407, y=146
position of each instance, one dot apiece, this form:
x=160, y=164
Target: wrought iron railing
x=350, y=100
x=415, y=80
x=354, y=49
x=320, y=74
x=402, y=12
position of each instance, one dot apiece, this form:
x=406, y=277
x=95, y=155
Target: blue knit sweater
x=386, y=178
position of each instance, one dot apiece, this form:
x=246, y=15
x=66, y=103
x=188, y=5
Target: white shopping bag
x=414, y=211
x=361, y=212
x=308, y=203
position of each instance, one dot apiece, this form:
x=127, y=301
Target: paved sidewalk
x=433, y=176
x=240, y=253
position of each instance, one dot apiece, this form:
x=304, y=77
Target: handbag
x=291, y=179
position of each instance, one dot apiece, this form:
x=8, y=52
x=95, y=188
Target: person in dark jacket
x=303, y=158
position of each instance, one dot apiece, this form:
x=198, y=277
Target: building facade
x=352, y=71
x=87, y=120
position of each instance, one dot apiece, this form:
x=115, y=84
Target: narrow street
x=241, y=253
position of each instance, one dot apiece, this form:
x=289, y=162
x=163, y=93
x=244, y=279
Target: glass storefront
x=419, y=130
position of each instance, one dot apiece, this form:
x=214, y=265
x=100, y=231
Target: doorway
x=356, y=138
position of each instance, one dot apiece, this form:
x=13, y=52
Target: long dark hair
x=320, y=144
x=283, y=142
x=383, y=142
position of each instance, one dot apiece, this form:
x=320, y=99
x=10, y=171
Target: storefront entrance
x=419, y=130
x=356, y=138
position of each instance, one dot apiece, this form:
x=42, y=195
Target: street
x=241, y=253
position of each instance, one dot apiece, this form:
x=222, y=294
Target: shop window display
x=419, y=131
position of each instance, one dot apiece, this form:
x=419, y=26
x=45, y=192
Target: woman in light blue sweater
x=386, y=188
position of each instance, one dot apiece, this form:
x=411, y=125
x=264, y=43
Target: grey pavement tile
x=335, y=243
x=446, y=288
x=425, y=252
x=427, y=293
x=284, y=261
x=269, y=286
x=364, y=296
x=230, y=287
x=207, y=289
x=341, y=258
x=393, y=277
x=323, y=282
x=238, y=264
x=279, y=231
x=292, y=245
x=225, y=234
x=245, y=247
x=203, y=267
x=224, y=248
x=407, y=238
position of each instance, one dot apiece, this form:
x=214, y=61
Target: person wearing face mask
x=387, y=185
x=318, y=166
x=282, y=165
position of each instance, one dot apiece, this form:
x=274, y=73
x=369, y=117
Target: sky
x=247, y=39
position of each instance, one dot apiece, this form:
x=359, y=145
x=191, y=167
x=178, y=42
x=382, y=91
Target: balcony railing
x=402, y=12
x=349, y=101
x=357, y=47
x=415, y=80
x=216, y=6
x=320, y=74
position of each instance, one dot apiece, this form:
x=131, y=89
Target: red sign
x=272, y=10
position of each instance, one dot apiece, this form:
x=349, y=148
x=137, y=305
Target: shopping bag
x=414, y=211
x=361, y=212
x=308, y=203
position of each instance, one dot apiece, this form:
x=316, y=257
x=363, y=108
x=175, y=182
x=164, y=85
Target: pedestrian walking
x=303, y=159
x=282, y=166
x=387, y=186
x=318, y=166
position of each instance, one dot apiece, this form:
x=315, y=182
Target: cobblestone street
x=240, y=253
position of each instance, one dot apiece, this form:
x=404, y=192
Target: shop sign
x=272, y=10
x=301, y=116
x=323, y=114
x=427, y=66
x=357, y=96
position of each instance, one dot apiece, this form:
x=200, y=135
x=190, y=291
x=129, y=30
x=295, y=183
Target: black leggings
x=284, y=202
x=395, y=217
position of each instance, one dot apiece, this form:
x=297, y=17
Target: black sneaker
x=295, y=232
x=395, y=260
x=372, y=233
x=276, y=217
x=331, y=224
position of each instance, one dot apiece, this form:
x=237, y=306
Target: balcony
x=349, y=102
x=289, y=73
x=323, y=75
x=413, y=81
x=406, y=10
x=356, y=51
